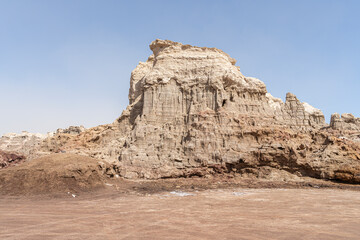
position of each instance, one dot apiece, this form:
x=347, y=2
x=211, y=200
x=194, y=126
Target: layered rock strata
x=192, y=112
x=24, y=143
x=347, y=121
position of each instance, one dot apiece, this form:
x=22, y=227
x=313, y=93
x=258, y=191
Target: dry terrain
x=231, y=213
x=201, y=152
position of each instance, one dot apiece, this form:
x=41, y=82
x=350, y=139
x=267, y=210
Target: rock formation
x=347, y=121
x=8, y=159
x=192, y=108
x=73, y=130
x=192, y=112
x=24, y=143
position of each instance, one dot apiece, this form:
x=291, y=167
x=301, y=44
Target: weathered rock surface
x=347, y=121
x=8, y=159
x=24, y=143
x=192, y=112
x=73, y=130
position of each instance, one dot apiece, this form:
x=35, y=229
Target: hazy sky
x=69, y=62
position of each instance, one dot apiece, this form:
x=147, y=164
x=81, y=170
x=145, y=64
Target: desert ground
x=219, y=213
x=201, y=152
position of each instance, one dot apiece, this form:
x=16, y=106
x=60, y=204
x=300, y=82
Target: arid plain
x=201, y=152
x=237, y=213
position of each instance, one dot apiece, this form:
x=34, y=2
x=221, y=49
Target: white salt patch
x=181, y=194
x=310, y=109
x=275, y=103
x=238, y=193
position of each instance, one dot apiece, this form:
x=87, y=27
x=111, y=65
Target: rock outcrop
x=303, y=115
x=73, y=130
x=193, y=113
x=192, y=108
x=347, y=121
x=8, y=159
x=181, y=80
x=24, y=143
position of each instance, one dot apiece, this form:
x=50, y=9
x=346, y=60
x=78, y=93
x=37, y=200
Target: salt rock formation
x=102, y=142
x=347, y=121
x=73, y=130
x=192, y=112
x=8, y=159
x=29, y=144
x=192, y=108
x=181, y=80
x=303, y=114
x=24, y=143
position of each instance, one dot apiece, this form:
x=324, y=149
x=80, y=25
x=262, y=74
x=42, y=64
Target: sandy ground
x=209, y=214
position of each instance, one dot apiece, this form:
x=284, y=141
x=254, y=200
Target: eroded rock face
x=24, y=143
x=179, y=80
x=303, y=115
x=73, y=130
x=102, y=142
x=192, y=112
x=8, y=159
x=347, y=121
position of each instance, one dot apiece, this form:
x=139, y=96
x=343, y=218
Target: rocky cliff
x=347, y=121
x=192, y=112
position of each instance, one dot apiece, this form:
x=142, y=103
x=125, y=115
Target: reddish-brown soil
x=51, y=174
x=57, y=174
x=237, y=213
x=9, y=159
x=67, y=196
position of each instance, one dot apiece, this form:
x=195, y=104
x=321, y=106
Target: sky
x=68, y=62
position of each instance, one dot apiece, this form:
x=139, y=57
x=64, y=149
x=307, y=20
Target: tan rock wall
x=192, y=112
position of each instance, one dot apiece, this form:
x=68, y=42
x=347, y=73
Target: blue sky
x=69, y=62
